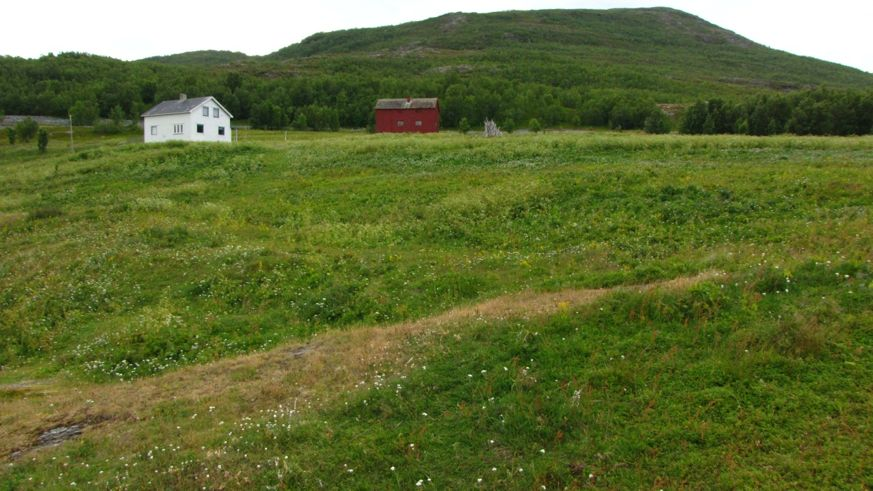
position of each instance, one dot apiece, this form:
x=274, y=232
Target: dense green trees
x=657, y=123
x=630, y=113
x=508, y=125
x=85, y=112
x=616, y=109
x=272, y=116
x=817, y=112
x=342, y=94
x=321, y=118
x=117, y=115
x=300, y=122
x=268, y=116
x=89, y=87
x=694, y=121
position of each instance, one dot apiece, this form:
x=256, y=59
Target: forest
x=89, y=87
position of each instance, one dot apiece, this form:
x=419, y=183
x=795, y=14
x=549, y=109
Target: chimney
x=183, y=97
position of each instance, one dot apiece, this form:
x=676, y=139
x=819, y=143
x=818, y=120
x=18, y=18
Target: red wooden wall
x=408, y=120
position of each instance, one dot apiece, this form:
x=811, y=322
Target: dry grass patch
x=8, y=218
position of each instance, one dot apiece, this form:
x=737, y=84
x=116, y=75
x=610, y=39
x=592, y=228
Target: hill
x=344, y=310
x=658, y=42
x=568, y=28
x=206, y=58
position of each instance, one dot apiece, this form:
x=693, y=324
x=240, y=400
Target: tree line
x=816, y=112
x=90, y=87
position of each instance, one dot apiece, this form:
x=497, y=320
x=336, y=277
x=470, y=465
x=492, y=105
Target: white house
x=201, y=119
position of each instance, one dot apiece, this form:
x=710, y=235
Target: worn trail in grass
x=752, y=380
x=123, y=261
x=310, y=374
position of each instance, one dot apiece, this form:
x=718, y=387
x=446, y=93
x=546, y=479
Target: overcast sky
x=835, y=30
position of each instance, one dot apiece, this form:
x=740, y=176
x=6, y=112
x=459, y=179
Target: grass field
x=629, y=312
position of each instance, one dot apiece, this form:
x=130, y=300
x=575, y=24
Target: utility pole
x=72, y=147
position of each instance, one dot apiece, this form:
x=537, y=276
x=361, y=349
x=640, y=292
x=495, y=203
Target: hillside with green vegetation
x=345, y=310
x=564, y=68
x=205, y=57
x=655, y=49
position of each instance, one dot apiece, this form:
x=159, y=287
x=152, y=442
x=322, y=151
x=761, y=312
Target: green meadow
x=122, y=263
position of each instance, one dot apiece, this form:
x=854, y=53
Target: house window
x=400, y=124
x=221, y=130
x=178, y=129
x=154, y=130
x=199, y=128
x=214, y=112
x=418, y=123
x=206, y=111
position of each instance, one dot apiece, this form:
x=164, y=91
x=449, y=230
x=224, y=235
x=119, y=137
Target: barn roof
x=180, y=106
x=407, y=103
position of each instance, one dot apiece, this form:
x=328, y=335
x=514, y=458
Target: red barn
x=407, y=115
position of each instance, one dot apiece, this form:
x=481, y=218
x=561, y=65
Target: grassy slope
x=245, y=245
x=168, y=255
x=637, y=48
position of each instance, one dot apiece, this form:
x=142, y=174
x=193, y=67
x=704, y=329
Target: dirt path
x=308, y=374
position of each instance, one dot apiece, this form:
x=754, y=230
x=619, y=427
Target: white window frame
x=401, y=124
x=214, y=112
x=154, y=130
x=418, y=124
x=206, y=111
x=201, y=128
x=178, y=129
x=221, y=131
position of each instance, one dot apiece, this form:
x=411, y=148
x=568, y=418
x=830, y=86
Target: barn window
x=214, y=112
x=154, y=130
x=400, y=124
x=418, y=123
x=221, y=130
x=206, y=111
x=178, y=129
x=199, y=128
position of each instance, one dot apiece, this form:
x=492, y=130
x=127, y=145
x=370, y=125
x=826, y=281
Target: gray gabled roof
x=407, y=103
x=178, y=106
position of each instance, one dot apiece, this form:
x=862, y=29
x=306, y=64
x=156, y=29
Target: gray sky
x=836, y=30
